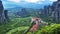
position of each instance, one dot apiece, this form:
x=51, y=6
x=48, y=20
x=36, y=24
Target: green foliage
x=20, y=25
x=19, y=30
x=52, y=29
x=17, y=25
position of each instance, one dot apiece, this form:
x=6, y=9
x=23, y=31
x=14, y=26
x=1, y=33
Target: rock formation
x=2, y=16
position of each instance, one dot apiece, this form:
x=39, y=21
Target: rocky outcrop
x=6, y=15
x=52, y=12
x=56, y=14
x=2, y=16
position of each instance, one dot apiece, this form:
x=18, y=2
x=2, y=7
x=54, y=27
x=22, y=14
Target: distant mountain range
x=30, y=8
x=18, y=10
x=26, y=5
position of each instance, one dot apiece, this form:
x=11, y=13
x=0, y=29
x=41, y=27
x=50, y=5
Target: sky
x=26, y=3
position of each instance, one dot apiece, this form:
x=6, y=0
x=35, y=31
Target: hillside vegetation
x=20, y=25
x=51, y=29
x=15, y=25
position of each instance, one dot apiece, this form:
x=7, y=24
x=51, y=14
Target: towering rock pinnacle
x=2, y=17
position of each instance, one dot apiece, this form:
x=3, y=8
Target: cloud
x=34, y=1
x=16, y=1
x=52, y=0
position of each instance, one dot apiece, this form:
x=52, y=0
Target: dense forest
x=18, y=20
